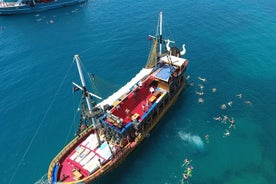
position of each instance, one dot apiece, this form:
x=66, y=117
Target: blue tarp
x=165, y=73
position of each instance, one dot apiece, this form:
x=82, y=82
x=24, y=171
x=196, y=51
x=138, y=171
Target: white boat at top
x=29, y=6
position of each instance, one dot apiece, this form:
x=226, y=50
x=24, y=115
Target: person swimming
x=185, y=176
x=217, y=118
x=186, y=162
x=239, y=95
x=232, y=123
x=223, y=106
x=200, y=100
x=248, y=103
x=189, y=171
x=190, y=84
x=200, y=86
x=226, y=133
x=200, y=93
x=230, y=103
x=225, y=118
x=207, y=138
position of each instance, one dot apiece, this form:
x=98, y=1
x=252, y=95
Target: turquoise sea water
x=231, y=44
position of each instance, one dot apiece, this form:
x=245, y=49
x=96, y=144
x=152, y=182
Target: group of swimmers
x=188, y=169
x=201, y=87
x=224, y=118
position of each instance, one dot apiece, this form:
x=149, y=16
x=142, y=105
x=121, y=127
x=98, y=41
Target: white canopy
x=126, y=88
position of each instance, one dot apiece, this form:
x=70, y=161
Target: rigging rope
x=37, y=130
x=73, y=121
x=92, y=83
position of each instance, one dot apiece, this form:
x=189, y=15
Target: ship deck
x=87, y=157
x=84, y=159
x=135, y=105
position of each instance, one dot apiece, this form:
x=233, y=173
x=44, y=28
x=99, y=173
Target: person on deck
x=151, y=90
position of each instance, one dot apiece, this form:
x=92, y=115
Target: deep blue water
x=231, y=44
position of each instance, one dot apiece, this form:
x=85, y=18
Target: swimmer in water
x=200, y=93
x=223, y=106
x=217, y=118
x=186, y=162
x=225, y=118
x=190, y=84
x=232, y=123
x=248, y=103
x=202, y=79
x=226, y=133
x=200, y=100
x=189, y=171
x=239, y=95
x=230, y=103
x=185, y=176
x=207, y=138
x=201, y=86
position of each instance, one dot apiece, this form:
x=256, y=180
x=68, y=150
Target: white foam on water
x=189, y=138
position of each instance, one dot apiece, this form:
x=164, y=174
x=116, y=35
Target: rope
x=37, y=130
x=92, y=83
x=73, y=121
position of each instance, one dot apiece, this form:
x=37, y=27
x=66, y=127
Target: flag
x=149, y=37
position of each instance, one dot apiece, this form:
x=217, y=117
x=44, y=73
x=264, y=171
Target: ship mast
x=86, y=94
x=160, y=32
